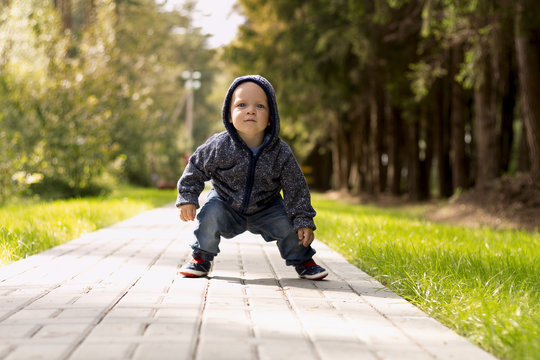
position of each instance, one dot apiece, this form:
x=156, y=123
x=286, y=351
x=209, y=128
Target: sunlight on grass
x=28, y=227
x=480, y=282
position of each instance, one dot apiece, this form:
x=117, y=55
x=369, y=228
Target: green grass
x=484, y=284
x=28, y=227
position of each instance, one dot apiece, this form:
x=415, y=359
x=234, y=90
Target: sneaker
x=196, y=268
x=311, y=271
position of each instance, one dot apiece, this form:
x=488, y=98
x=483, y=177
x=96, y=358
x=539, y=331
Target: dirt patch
x=504, y=203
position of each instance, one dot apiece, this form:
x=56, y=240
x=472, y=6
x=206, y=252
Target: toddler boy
x=249, y=165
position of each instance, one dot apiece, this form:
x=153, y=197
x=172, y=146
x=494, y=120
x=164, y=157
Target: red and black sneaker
x=196, y=268
x=311, y=271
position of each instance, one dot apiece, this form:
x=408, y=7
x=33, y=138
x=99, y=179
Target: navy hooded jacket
x=249, y=182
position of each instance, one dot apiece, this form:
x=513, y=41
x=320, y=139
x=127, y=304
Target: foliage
x=304, y=49
x=94, y=99
x=481, y=283
x=58, y=126
x=393, y=88
x=28, y=227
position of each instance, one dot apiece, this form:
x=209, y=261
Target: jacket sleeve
x=191, y=183
x=296, y=195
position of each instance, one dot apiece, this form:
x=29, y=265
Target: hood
x=272, y=132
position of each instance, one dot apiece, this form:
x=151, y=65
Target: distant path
x=115, y=294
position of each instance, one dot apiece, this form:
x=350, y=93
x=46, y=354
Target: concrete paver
x=115, y=294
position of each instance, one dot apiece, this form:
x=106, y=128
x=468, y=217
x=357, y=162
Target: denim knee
x=214, y=220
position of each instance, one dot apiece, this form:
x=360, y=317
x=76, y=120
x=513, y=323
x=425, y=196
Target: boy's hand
x=306, y=237
x=187, y=212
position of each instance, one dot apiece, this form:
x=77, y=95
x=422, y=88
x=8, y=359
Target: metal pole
x=189, y=118
x=192, y=83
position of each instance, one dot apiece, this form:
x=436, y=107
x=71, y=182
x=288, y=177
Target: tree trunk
x=352, y=171
x=340, y=156
x=442, y=136
x=89, y=12
x=528, y=56
x=457, y=120
x=320, y=162
x=504, y=51
x=507, y=123
x=346, y=153
x=364, y=165
x=374, y=140
x=64, y=7
x=486, y=124
x=396, y=146
x=426, y=139
x=355, y=178
x=336, y=155
x=524, y=164
x=381, y=138
x=413, y=160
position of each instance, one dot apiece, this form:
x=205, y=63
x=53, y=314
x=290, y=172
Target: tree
x=458, y=113
x=64, y=9
x=88, y=87
x=527, y=47
x=432, y=78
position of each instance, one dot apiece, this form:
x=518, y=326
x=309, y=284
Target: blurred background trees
x=91, y=91
x=425, y=97
x=419, y=97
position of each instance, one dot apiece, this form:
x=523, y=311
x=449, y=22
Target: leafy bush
x=51, y=188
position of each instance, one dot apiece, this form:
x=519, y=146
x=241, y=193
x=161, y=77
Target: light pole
x=191, y=84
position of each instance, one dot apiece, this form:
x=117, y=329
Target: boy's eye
x=260, y=106
x=241, y=105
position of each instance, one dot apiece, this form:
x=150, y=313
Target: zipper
x=250, y=180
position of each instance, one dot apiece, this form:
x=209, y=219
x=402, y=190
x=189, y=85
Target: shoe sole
x=192, y=275
x=315, y=277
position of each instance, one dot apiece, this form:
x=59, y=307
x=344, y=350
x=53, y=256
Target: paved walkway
x=115, y=294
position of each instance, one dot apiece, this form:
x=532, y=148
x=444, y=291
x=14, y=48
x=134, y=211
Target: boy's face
x=250, y=114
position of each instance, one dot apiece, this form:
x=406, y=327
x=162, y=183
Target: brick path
x=115, y=294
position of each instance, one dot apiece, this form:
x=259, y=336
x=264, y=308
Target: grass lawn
x=28, y=227
x=484, y=284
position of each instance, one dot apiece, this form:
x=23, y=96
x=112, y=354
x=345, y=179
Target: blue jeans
x=217, y=219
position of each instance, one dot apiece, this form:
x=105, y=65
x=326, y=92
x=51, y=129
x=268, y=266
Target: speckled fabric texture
x=246, y=181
